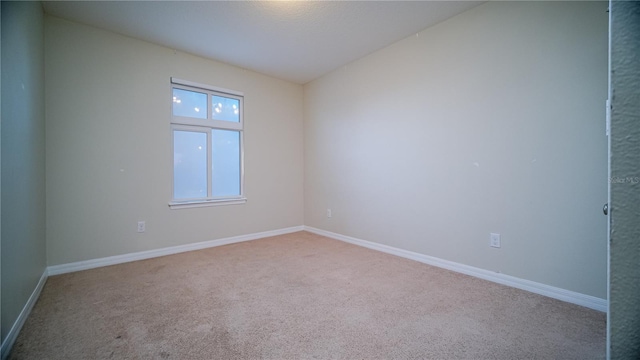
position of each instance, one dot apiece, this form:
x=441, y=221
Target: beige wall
x=109, y=151
x=492, y=121
x=23, y=157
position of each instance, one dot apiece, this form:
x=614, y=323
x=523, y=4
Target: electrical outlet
x=142, y=227
x=329, y=213
x=494, y=240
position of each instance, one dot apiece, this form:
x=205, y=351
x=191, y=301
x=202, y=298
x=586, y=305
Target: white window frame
x=180, y=123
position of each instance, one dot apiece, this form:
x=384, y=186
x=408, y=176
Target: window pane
x=189, y=165
x=224, y=108
x=226, y=162
x=189, y=103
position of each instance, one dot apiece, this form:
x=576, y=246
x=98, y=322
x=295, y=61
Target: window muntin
x=207, y=151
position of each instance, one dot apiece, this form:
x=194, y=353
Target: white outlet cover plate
x=494, y=240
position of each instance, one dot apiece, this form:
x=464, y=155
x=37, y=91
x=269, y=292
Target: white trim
x=142, y=255
x=205, y=87
x=207, y=126
x=26, y=310
x=589, y=301
x=177, y=205
x=531, y=286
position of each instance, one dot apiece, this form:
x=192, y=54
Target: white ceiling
x=291, y=40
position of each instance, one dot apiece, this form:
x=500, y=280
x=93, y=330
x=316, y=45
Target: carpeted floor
x=298, y=296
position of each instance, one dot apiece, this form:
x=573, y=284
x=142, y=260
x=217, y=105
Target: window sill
x=176, y=205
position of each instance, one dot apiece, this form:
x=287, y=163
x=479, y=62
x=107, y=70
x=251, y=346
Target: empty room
x=318, y=179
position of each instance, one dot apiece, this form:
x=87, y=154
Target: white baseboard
x=26, y=310
x=119, y=259
x=531, y=286
x=591, y=302
x=142, y=255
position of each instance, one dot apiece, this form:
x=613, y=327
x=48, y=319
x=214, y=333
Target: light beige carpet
x=298, y=296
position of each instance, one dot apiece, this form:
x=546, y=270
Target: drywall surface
x=624, y=246
x=109, y=147
x=23, y=157
x=492, y=121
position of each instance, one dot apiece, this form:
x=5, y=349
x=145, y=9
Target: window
x=207, y=135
